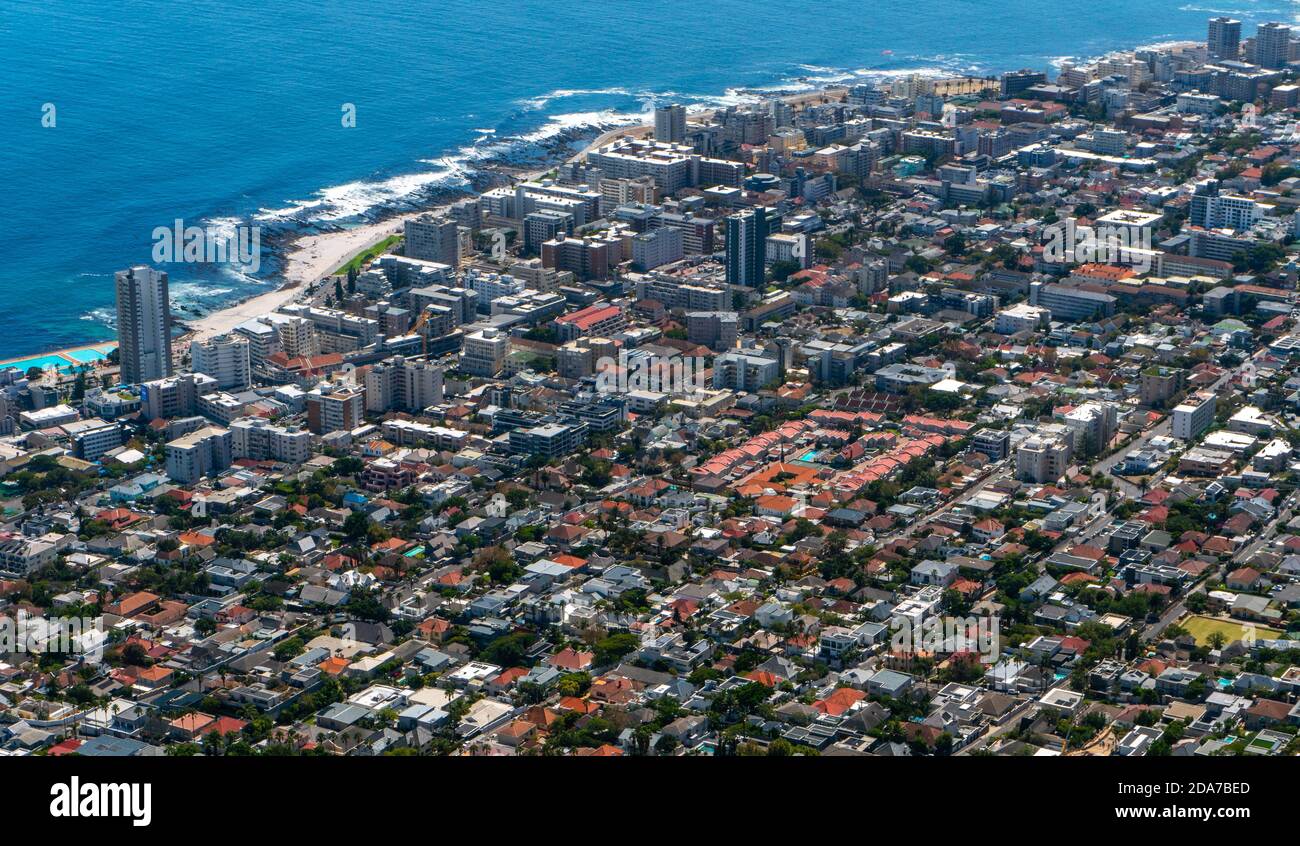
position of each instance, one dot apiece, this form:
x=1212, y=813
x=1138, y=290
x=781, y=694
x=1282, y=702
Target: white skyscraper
x=143, y=324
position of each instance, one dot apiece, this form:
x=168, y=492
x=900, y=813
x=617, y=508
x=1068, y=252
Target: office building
x=144, y=324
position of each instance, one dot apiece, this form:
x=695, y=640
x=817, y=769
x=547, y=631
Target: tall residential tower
x=747, y=247
x=670, y=123
x=1224, y=40
x=144, y=323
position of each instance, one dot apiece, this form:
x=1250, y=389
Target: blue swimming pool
x=42, y=361
x=66, y=360
x=87, y=355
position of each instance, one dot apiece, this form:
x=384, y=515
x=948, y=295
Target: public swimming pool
x=42, y=361
x=90, y=354
x=64, y=359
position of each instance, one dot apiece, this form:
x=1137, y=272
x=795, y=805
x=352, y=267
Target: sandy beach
x=310, y=259
x=313, y=257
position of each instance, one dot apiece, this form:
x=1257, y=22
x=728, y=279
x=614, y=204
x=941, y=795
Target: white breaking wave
x=197, y=291
x=559, y=124
x=545, y=100
x=353, y=199
x=106, y=316
x=1238, y=13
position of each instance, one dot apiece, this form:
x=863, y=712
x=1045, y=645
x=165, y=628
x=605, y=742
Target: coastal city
x=921, y=416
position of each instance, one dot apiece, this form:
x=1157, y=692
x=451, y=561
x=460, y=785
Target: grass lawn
x=368, y=254
x=1200, y=628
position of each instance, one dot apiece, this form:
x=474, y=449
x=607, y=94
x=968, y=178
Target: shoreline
x=309, y=258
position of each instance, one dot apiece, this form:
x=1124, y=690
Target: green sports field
x=1201, y=627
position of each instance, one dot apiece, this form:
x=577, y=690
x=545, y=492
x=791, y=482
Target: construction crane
x=418, y=328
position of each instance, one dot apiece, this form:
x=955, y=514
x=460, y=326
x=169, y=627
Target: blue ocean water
x=226, y=112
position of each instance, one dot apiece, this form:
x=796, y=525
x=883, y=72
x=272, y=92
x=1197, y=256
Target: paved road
x=1162, y=428
x=990, y=474
x=1009, y=724
x=1121, y=484
x=1265, y=537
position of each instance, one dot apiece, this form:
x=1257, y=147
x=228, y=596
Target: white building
x=1020, y=318
x=403, y=385
x=1093, y=425
x=260, y=440
x=484, y=352
x=1194, y=416
x=1227, y=211
x=1040, y=459
x=225, y=358
x=656, y=247
x=204, y=452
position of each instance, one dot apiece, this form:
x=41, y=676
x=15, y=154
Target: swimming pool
x=86, y=355
x=44, y=362
x=65, y=360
